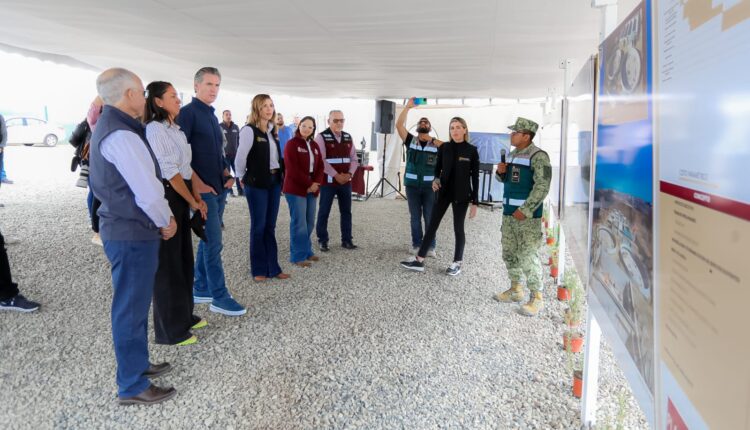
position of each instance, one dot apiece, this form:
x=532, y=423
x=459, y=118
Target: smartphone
x=420, y=101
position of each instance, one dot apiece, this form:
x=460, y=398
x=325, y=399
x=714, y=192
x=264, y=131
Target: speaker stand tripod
x=383, y=180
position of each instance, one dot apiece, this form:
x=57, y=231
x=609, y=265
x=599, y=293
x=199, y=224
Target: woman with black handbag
x=173, y=289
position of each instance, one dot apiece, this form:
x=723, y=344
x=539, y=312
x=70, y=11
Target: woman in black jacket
x=457, y=184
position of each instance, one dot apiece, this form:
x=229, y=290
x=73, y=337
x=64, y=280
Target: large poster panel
x=578, y=159
x=622, y=218
x=703, y=132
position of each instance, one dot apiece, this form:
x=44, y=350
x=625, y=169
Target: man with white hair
x=133, y=219
x=339, y=163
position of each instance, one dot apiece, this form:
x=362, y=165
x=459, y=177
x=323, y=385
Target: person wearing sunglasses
x=526, y=179
x=339, y=164
x=457, y=184
x=421, y=158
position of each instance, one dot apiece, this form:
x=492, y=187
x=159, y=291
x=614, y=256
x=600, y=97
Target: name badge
x=463, y=159
x=262, y=139
x=515, y=174
x=302, y=150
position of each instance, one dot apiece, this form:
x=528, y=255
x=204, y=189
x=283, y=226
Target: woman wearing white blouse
x=261, y=168
x=173, y=289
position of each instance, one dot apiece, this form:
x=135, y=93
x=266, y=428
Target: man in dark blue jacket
x=201, y=127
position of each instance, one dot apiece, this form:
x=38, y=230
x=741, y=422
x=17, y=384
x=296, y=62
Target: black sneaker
x=417, y=266
x=18, y=303
x=454, y=269
x=323, y=246
x=348, y=245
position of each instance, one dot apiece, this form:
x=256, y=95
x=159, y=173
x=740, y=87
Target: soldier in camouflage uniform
x=526, y=177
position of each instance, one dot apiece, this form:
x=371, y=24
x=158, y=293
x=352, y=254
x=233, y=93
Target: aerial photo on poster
x=622, y=219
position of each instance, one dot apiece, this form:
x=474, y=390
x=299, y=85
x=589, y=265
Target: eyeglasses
x=338, y=121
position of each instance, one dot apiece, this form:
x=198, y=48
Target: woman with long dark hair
x=173, y=289
x=261, y=168
x=303, y=176
x=457, y=184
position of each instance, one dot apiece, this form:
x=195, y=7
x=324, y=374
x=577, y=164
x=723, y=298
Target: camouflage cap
x=523, y=124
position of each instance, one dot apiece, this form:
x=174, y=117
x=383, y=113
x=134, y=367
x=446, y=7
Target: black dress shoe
x=348, y=245
x=150, y=396
x=323, y=246
x=155, y=370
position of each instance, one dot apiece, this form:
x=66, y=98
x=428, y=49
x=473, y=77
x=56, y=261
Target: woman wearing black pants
x=173, y=287
x=457, y=183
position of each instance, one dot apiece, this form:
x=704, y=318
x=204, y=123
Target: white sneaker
x=454, y=269
x=432, y=253
x=97, y=240
x=12, y=240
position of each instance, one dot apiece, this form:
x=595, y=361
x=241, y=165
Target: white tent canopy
x=322, y=48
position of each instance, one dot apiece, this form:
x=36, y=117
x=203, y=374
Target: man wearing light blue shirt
x=285, y=132
x=134, y=218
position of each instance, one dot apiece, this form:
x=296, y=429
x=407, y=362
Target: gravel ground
x=353, y=342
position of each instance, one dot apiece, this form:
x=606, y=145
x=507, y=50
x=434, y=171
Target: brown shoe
x=314, y=258
x=283, y=275
x=155, y=370
x=259, y=278
x=303, y=264
x=150, y=396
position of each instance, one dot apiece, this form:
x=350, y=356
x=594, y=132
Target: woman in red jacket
x=304, y=174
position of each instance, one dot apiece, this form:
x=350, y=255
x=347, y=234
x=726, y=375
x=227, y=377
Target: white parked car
x=28, y=131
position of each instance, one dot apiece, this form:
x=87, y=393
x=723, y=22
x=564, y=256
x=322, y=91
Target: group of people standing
x=157, y=183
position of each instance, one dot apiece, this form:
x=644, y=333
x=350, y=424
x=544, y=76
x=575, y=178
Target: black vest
x=258, y=173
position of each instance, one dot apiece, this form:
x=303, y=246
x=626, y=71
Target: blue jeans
x=302, y=212
x=344, y=194
x=209, y=271
x=2, y=165
x=134, y=264
x=420, y=200
x=263, y=204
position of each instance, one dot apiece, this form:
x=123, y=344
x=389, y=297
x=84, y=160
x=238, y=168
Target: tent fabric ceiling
x=321, y=48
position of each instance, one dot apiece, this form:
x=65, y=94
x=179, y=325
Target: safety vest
x=420, y=163
x=519, y=180
x=338, y=154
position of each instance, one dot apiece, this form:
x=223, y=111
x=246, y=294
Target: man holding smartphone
x=421, y=158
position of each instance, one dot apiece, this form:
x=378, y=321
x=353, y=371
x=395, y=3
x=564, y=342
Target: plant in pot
x=573, y=340
x=575, y=367
x=550, y=236
x=574, y=313
x=563, y=291
x=553, y=261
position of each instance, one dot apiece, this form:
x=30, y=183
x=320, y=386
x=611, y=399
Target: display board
x=580, y=130
x=621, y=286
x=489, y=146
x=702, y=120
